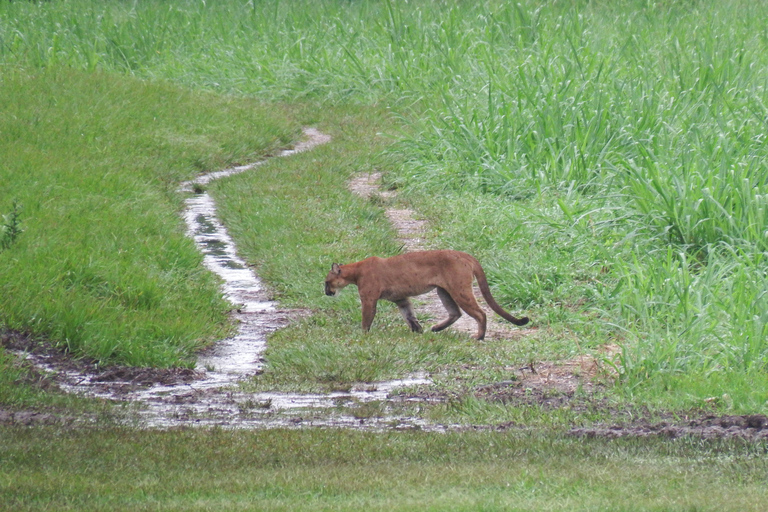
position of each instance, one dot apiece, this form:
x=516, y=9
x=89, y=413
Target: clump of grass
x=10, y=229
x=341, y=355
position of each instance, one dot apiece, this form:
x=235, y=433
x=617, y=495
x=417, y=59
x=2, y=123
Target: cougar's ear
x=335, y=268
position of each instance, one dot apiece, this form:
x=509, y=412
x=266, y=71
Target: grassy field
x=606, y=161
x=92, y=163
x=619, y=143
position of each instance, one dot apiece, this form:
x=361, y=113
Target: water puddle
x=210, y=395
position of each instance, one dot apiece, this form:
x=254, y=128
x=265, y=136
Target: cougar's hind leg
x=406, y=309
x=454, y=313
x=469, y=304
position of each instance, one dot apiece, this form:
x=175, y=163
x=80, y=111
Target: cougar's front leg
x=369, y=311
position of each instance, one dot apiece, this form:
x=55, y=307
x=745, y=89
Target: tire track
x=209, y=395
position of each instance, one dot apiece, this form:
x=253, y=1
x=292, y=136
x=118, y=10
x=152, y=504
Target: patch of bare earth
x=753, y=428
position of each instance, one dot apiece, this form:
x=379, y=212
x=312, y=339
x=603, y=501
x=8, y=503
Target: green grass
x=632, y=134
x=344, y=470
x=294, y=217
x=604, y=160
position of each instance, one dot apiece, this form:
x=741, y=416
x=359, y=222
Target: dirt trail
x=561, y=376
x=411, y=233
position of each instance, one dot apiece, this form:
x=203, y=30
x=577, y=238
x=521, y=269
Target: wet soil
x=241, y=410
x=626, y=421
x=176, y=397
x=749, y=428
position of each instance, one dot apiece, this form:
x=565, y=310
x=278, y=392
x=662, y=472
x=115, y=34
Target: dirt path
x=562, y=376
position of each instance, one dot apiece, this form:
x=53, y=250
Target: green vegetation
x=11, y=228
x=47, y=469
x=613, y=151
x=636, y=135
x=605, y=160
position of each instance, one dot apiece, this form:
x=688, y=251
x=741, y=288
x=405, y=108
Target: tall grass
x=10, y=229
x=656, y=118
x=636, y=126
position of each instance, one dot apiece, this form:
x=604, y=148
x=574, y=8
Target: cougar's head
x=335, y=280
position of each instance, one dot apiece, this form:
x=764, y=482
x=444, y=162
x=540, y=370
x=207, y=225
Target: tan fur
x=397, y=278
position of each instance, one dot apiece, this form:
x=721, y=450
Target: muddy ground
x=122, y=380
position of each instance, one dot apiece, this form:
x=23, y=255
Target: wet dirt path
x=210, y=395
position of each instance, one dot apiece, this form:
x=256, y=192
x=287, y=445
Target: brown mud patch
x=36, y=354
x=752, y=428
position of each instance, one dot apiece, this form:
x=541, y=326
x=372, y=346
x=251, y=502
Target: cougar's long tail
x=482, y=282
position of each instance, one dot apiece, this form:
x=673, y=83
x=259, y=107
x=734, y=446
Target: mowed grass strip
x=118, y=469
x=93, y=162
